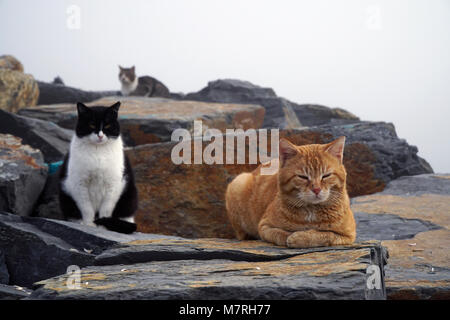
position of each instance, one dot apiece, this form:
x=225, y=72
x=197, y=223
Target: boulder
x=17, y=90
x=280, y=113
x=58, y=80
x=418, y=239
x=52, y=140
x=311, y=115
x=224, y=269
x=57, y=92
x=374, y=155
x=4, y=275
x=148, y=120
x=33, y=255
x=22, y=175
x=37, y=248
x=11, y=63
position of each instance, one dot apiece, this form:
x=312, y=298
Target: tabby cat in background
x=141, y=86
x=305, y=204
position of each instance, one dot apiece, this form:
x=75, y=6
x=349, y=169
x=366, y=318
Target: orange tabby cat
x=305, y=204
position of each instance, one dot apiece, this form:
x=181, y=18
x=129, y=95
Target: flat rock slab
x=139, y=251
x=333, y=273
x=13, y=292
x=419, y=262
x=148, y=120
x=36, y=248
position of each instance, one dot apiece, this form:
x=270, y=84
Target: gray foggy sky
x=381, y=60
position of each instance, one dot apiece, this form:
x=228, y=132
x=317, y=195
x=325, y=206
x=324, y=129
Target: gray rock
x=230, y=90
x=52, y=140
x=37, y=248
x=316, y=115
x=278, y=110
x=22, y=175
x=414, y=211
x=334, y=273
x=13, y=292
x=419, y=185
x=51, y=93
x=385, y=226
x=32, y=254
x=237, y=91
x=4, y=275
x=58, y=80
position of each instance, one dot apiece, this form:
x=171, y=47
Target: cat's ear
x=133, y=68
x=120, y=67
x=82, y=109
x=115, y=107
x=286, y=151
x=336, y=148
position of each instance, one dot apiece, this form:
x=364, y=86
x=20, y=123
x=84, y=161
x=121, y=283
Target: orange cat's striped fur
x=305, y=204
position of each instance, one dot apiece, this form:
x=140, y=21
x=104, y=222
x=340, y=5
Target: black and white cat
x=96, y=180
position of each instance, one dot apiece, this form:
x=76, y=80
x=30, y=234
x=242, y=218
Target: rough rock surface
x=52, y=140
x=418, y=240
x=52, y=93
x=317, y=115
x=13, y=292
x=4, y=275
x=223, y=269
x=373, y=156
x=141, y=266
x=280, y=113
x=17, y=90
x=37, y=248
x=148, y=120
x=11, y=63
x=22, y=175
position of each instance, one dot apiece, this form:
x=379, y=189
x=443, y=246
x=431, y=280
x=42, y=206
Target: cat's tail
x=117, y=225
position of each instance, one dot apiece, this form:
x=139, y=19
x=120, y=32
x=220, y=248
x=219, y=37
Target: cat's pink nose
x=316, y=191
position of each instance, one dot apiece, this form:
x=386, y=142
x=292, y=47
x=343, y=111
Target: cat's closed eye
x=107, y=126
x=92, y=125
x=326, y=176
x=303, y=177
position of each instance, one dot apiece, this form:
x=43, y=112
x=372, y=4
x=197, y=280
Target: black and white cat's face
x=98, y=125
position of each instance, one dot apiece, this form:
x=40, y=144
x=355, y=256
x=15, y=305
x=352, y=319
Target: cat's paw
x=299, y=239
x=88, y=223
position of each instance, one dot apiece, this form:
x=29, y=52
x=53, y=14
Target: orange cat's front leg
x=274, y=235
x=314, y=238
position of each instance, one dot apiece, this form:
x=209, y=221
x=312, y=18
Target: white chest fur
x=95, y=176
x=128, y=88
